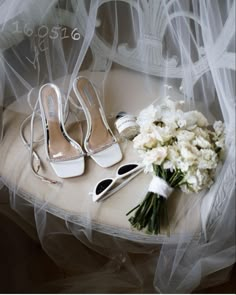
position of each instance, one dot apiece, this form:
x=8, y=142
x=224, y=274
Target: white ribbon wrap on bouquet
x=160, y=186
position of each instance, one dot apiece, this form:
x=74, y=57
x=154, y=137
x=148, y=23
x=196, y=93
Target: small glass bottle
x=126, y=125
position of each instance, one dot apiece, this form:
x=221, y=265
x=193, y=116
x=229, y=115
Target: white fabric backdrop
x=188, y=44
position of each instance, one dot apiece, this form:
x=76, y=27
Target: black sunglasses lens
x=103, y=185
x=126, y=168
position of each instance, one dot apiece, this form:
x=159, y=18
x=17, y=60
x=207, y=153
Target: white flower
x=180, y=140
x=172, y=156
x=181, y=123
x=219, y=128
x=221, y=142
x=192, y=181
x=188, y=151
x=156, y=132
x=170, y=105
x=173, y=152
x=203, y=132
x=201, y=119
x=161, y=153
x=172, y=118
x=169, y=165
x=182, y=165
x=148, y=168
x=144, y=140
x=170, y=121
x=186, y=189
x=155, y=156
x=194, y=119
x=139, y=141
x=196, y=180
x=163, y=134
x=208, y=159
x=188, y=156
x=204, y=179
x=151, y=143
x=148, y=116
x=184, y=135
x=219, y=135
x=201, y=142
x=146, y=161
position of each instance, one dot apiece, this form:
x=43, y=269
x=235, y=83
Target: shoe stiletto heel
x=64, y=154
x=100, y=143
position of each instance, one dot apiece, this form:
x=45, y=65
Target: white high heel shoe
x=100, y=143
x=64, y=154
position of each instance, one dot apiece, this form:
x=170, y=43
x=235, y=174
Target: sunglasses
x=103, y=190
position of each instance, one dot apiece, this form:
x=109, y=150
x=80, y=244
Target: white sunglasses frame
x=103, y=195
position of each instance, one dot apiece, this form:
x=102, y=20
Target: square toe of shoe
x=71, y=168
x=108, y=157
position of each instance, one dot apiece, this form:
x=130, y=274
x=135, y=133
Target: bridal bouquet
x=181, y=151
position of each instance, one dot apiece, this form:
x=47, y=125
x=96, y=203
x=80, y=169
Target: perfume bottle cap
x=121, y=114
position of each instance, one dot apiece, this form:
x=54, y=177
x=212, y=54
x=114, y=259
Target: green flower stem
x=143, y=207
x=142, y=218
x=158, y=223
x=132, y=210
x=148, y=213
x=153, y=220
x=152, y=212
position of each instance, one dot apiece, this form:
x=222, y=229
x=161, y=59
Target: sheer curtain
x=189, y=45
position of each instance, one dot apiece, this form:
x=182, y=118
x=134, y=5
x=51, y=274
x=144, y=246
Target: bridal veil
x=136, y=52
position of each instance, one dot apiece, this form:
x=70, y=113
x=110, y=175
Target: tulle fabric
x=189, y=45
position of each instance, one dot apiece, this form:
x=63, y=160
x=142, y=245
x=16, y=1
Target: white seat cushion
x=124, y=91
